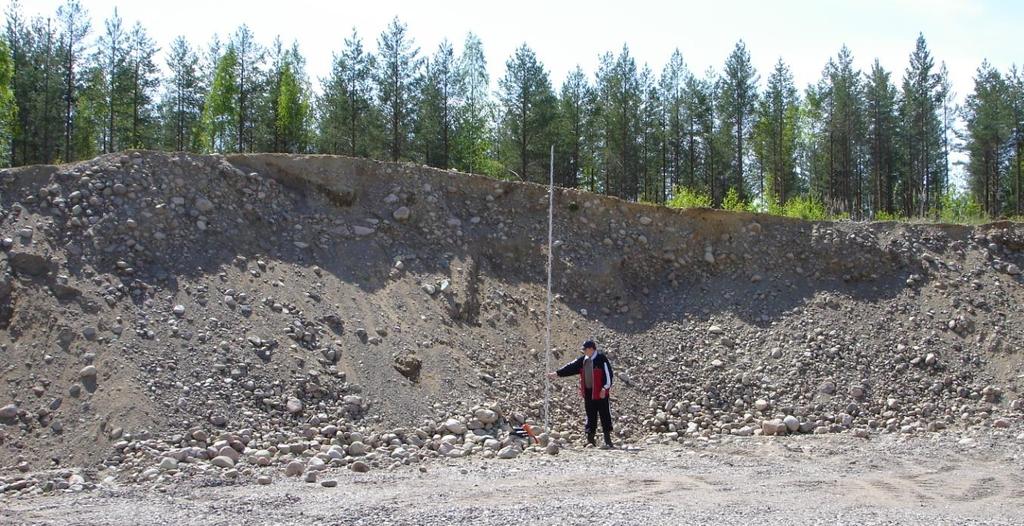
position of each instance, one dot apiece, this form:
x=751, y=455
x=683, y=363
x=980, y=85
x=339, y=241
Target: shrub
x=684, y=197
x=882, y=215
x=960, y=207
x=733, y=202
x=801, y=207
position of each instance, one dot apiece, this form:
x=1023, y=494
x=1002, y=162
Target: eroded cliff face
x=291, y=308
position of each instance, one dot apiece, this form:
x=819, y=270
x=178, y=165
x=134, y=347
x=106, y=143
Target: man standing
x=595, y=383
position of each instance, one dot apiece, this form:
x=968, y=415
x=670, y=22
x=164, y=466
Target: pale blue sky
x=804, y=33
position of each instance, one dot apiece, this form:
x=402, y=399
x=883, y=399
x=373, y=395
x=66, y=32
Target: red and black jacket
x=603, y=374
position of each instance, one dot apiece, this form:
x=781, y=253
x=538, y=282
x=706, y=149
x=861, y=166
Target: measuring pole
x=547, y=331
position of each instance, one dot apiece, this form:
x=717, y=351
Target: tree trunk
x=136, y=142
x=69, y=96
x=47, y=153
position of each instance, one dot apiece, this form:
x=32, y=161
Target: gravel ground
x=830, y=479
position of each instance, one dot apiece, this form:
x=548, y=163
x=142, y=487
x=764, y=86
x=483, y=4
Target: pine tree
x=35, y=61
x=220, y=113
x=737, y=104
x=90, y=112
x=471, y=147
x=292, y=111
x=673, y=84
x=699, y=106
x=111, y=54
x=528, y=112
x=8, y=108
x=988, y=118
x=618, y=105
x=75, y=25
x=346, y=111
x=653, y=149
x=775, y=136
x=249, y=75
x=946, y=112
x=880, y=104
x=182, y=101
x=398, y=67
x=575, y=112
x=1015, y=100
x=438, y=106
x=282, y=111
x=709, y=139
x=143, y=81
x=836, y=156
x=921, y=137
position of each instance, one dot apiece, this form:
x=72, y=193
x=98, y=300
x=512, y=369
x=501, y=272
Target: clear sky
x=804, y=33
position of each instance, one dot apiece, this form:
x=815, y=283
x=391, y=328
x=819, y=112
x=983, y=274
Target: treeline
x=855, y=143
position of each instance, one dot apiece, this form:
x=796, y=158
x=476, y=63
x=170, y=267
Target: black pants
x=593, y=408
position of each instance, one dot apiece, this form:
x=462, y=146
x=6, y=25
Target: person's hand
x=552, y=375
x=604, y=393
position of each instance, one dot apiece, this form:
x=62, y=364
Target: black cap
x=589, y=344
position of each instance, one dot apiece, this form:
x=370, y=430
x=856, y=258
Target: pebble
x=223, y=462
x=360, y=467
x=294, y=468
x=401, y=214
x=773, y=427
x=486, y=416
x=455, y=426
x=8, y=411
x=358, y=448
x=204, y=205
x=509, y=452
x=330, y=483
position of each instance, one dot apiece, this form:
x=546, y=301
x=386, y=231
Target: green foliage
x=182, y=102
x=439, y=98
x=8, y=109
x=854, y=141
x=471, y=144
x=221, y=110
x=684, y=197
x=961, y=207
x=528, y=106
x=90, y=116
x=575, y=113
x=348, y=119
x=804, y=207
x=737, y=103
x=882, y=215
x=397, y=69
x=775, y=135
x=619, y=97
x=292, y=112
x=732, y=201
